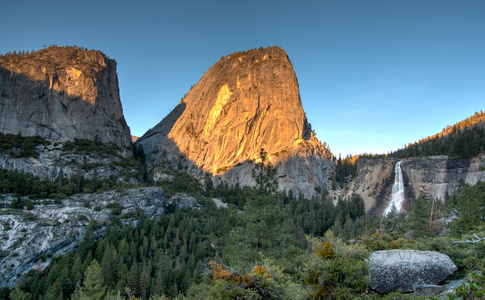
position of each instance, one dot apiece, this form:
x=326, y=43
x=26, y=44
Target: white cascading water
x=397, y=192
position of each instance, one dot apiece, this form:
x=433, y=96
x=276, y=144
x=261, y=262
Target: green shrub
x=336, y=270
x=29, y=217
x=116, y=208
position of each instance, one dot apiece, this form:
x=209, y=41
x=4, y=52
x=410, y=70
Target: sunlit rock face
x=245, y=102
x=62, y=93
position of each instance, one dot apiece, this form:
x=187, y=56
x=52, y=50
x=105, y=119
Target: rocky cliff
x=52, y=161
x=434, y=175
x=440, y=175
x=373, y=182
x=245, y=102
x=62, y=93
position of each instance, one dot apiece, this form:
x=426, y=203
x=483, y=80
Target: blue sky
x=373, y=75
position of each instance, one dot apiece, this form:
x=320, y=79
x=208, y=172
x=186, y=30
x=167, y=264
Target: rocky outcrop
x=55, y=229
x=427, y=290
x=62, y=93
x=245, y=102
x=399, y=270
x=53, y=161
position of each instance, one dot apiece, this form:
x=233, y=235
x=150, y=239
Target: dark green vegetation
x=464, y=139
x=346, y=168
x=20, y=184
x=83, y=146
x=18, y=146
x=279, y=247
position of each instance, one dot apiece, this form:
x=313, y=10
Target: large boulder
x=399, y=270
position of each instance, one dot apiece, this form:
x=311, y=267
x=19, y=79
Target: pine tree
x=55, y=292
x=471, y=207
x=144, y=285
x=108, y=267
x=18, y=294
x=93, y=285
x=87, y=242
x=264, y=226
x=420, y=217
x=134, y=277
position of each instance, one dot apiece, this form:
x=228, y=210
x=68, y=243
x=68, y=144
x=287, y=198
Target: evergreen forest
x=266, y=244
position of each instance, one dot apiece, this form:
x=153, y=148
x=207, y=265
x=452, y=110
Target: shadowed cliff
x=62, y=93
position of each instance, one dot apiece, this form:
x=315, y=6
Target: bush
x=116, y=208
x=336, y=270
x=29, y=217
x=18, y=146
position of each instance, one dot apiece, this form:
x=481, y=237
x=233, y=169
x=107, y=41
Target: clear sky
x=373, y=75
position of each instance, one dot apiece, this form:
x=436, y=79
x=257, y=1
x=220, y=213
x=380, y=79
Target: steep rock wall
x=62, y=93
x=440, y=175
x=373, y=182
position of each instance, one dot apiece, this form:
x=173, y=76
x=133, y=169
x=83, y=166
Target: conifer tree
x=420, y=216
x=93, y=284
x=55, y=292
x=264, y=225
x=18, y=294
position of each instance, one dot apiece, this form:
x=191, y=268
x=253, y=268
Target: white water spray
x=397, y=197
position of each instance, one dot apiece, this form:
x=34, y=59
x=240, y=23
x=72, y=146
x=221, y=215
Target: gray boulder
x=427, y=290
x=399, y=270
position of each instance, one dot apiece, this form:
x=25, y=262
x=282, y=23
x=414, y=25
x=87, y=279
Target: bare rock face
x=439, y=175
x=62, y=93
x=245, y=102
x=373, y=181
x=399, y=270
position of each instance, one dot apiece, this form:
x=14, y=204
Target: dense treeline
x=345, y=170
x=21, y=184
x=84, y=146
x=458, y=144
x=265, y=245
x=464, y=139
x=167, y=256
x=477, y=118
x=61, y=185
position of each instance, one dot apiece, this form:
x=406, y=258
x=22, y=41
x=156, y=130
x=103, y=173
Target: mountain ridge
x=246, y=101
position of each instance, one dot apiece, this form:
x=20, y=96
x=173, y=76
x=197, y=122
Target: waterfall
x=397, y=196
